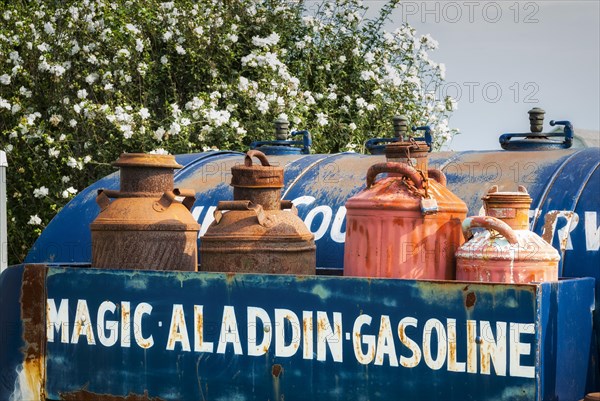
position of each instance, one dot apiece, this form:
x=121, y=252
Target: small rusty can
x=505, y=251
x=406, y=225
x=257, y=232
x=148, y=224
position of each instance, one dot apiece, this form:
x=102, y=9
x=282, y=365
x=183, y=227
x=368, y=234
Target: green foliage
x=83, y=81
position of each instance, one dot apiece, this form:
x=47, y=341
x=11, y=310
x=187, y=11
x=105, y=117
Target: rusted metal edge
x=31, y=378
x=85, y=395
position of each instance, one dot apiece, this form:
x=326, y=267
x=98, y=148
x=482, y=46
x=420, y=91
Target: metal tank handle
x=243, y=205
x=259, y=155
x=437, y=175
x=168, y=197
x=397, y=168
x=489, y=223
x=189, y=197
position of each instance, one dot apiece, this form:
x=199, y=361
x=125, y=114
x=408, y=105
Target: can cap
x=256, y=176
x=519, y=199
x=146, y=160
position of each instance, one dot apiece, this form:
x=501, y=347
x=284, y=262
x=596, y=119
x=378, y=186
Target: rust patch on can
x=470, y=299
x=31, y=379
x=277, y=370
x=85, y=395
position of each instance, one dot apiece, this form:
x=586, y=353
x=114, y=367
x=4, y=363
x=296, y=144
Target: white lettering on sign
x=470, y=346
x=57, y=321
x=592, y=231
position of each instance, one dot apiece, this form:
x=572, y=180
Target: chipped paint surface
x=425, y=333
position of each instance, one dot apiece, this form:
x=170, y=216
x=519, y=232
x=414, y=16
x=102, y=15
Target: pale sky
x=509, y=56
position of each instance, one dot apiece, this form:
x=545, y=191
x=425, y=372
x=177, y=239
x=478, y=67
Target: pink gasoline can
x=505, y=250
x=405, y=225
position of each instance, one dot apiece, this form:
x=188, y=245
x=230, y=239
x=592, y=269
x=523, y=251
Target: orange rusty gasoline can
x=148, y=225
x=505, y=251
x=407, y=225
x=257, y=232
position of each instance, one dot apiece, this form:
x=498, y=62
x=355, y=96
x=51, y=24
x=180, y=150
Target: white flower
x=243, y=84
x=233, y=37
x=132, y=28
x=72, y=122
x=4, y=104
x=175, y=128
x=144, y=113
x=40, y=192
x=68, y=192
x=199, y=31
x=5, y=79
x=369, y=57
x=82, y=94
x=360, y=102
x=34, y=220
x=124, y=53
x=322, y=119
x=25, y=92
x=91, y=78
x=15, y=108
x=262, y=106
x=185, y=122
x=48, y=28
x=159, y=151
x=139, y=45
x=442, y=68
x=65, y=179
x=352, y=126
x=167, y=36
x=53, y=152
x=179, y=49
x=109, y=87
x=270, y=40
x=332, y=96
x=159, y=133
x=342, y=59
x=164, y=60
x=366, y=75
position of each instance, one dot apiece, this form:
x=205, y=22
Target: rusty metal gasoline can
x=148, y=225
x=505, y=251
x=257, y=232
x=407, y=225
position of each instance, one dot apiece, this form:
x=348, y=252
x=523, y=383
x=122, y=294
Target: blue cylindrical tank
x=564, y=185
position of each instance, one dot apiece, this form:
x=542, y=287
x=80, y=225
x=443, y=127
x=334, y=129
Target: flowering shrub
x=83, y=81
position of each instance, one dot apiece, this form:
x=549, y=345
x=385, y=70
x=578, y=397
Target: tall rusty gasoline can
x=505, y=251
x=148, y=225
x=407, y=225
x=257, y=232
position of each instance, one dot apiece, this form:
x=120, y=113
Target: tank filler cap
x=536, y=139
x=251, y=175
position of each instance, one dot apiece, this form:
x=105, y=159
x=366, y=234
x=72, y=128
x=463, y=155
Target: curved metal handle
x=259, y=155
x=306, y=140
x=437, y=175
x=428, y=137
x=103, y=198
x=397, y=168
x=189, y=197
x=489, y=223
x=241, y=205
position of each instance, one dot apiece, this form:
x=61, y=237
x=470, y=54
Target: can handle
x=189, y=197
x=437, y=175
x=259, y=155
x=103, y=198
x=489, y=223
x=397, y=168
x=241, y=205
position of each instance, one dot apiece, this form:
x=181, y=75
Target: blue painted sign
x=195, y=336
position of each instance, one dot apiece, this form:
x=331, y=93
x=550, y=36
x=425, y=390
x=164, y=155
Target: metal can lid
x=146, y=160
x=592, y=397
x=493, y=196
x=256, y=176
x=407, y=149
